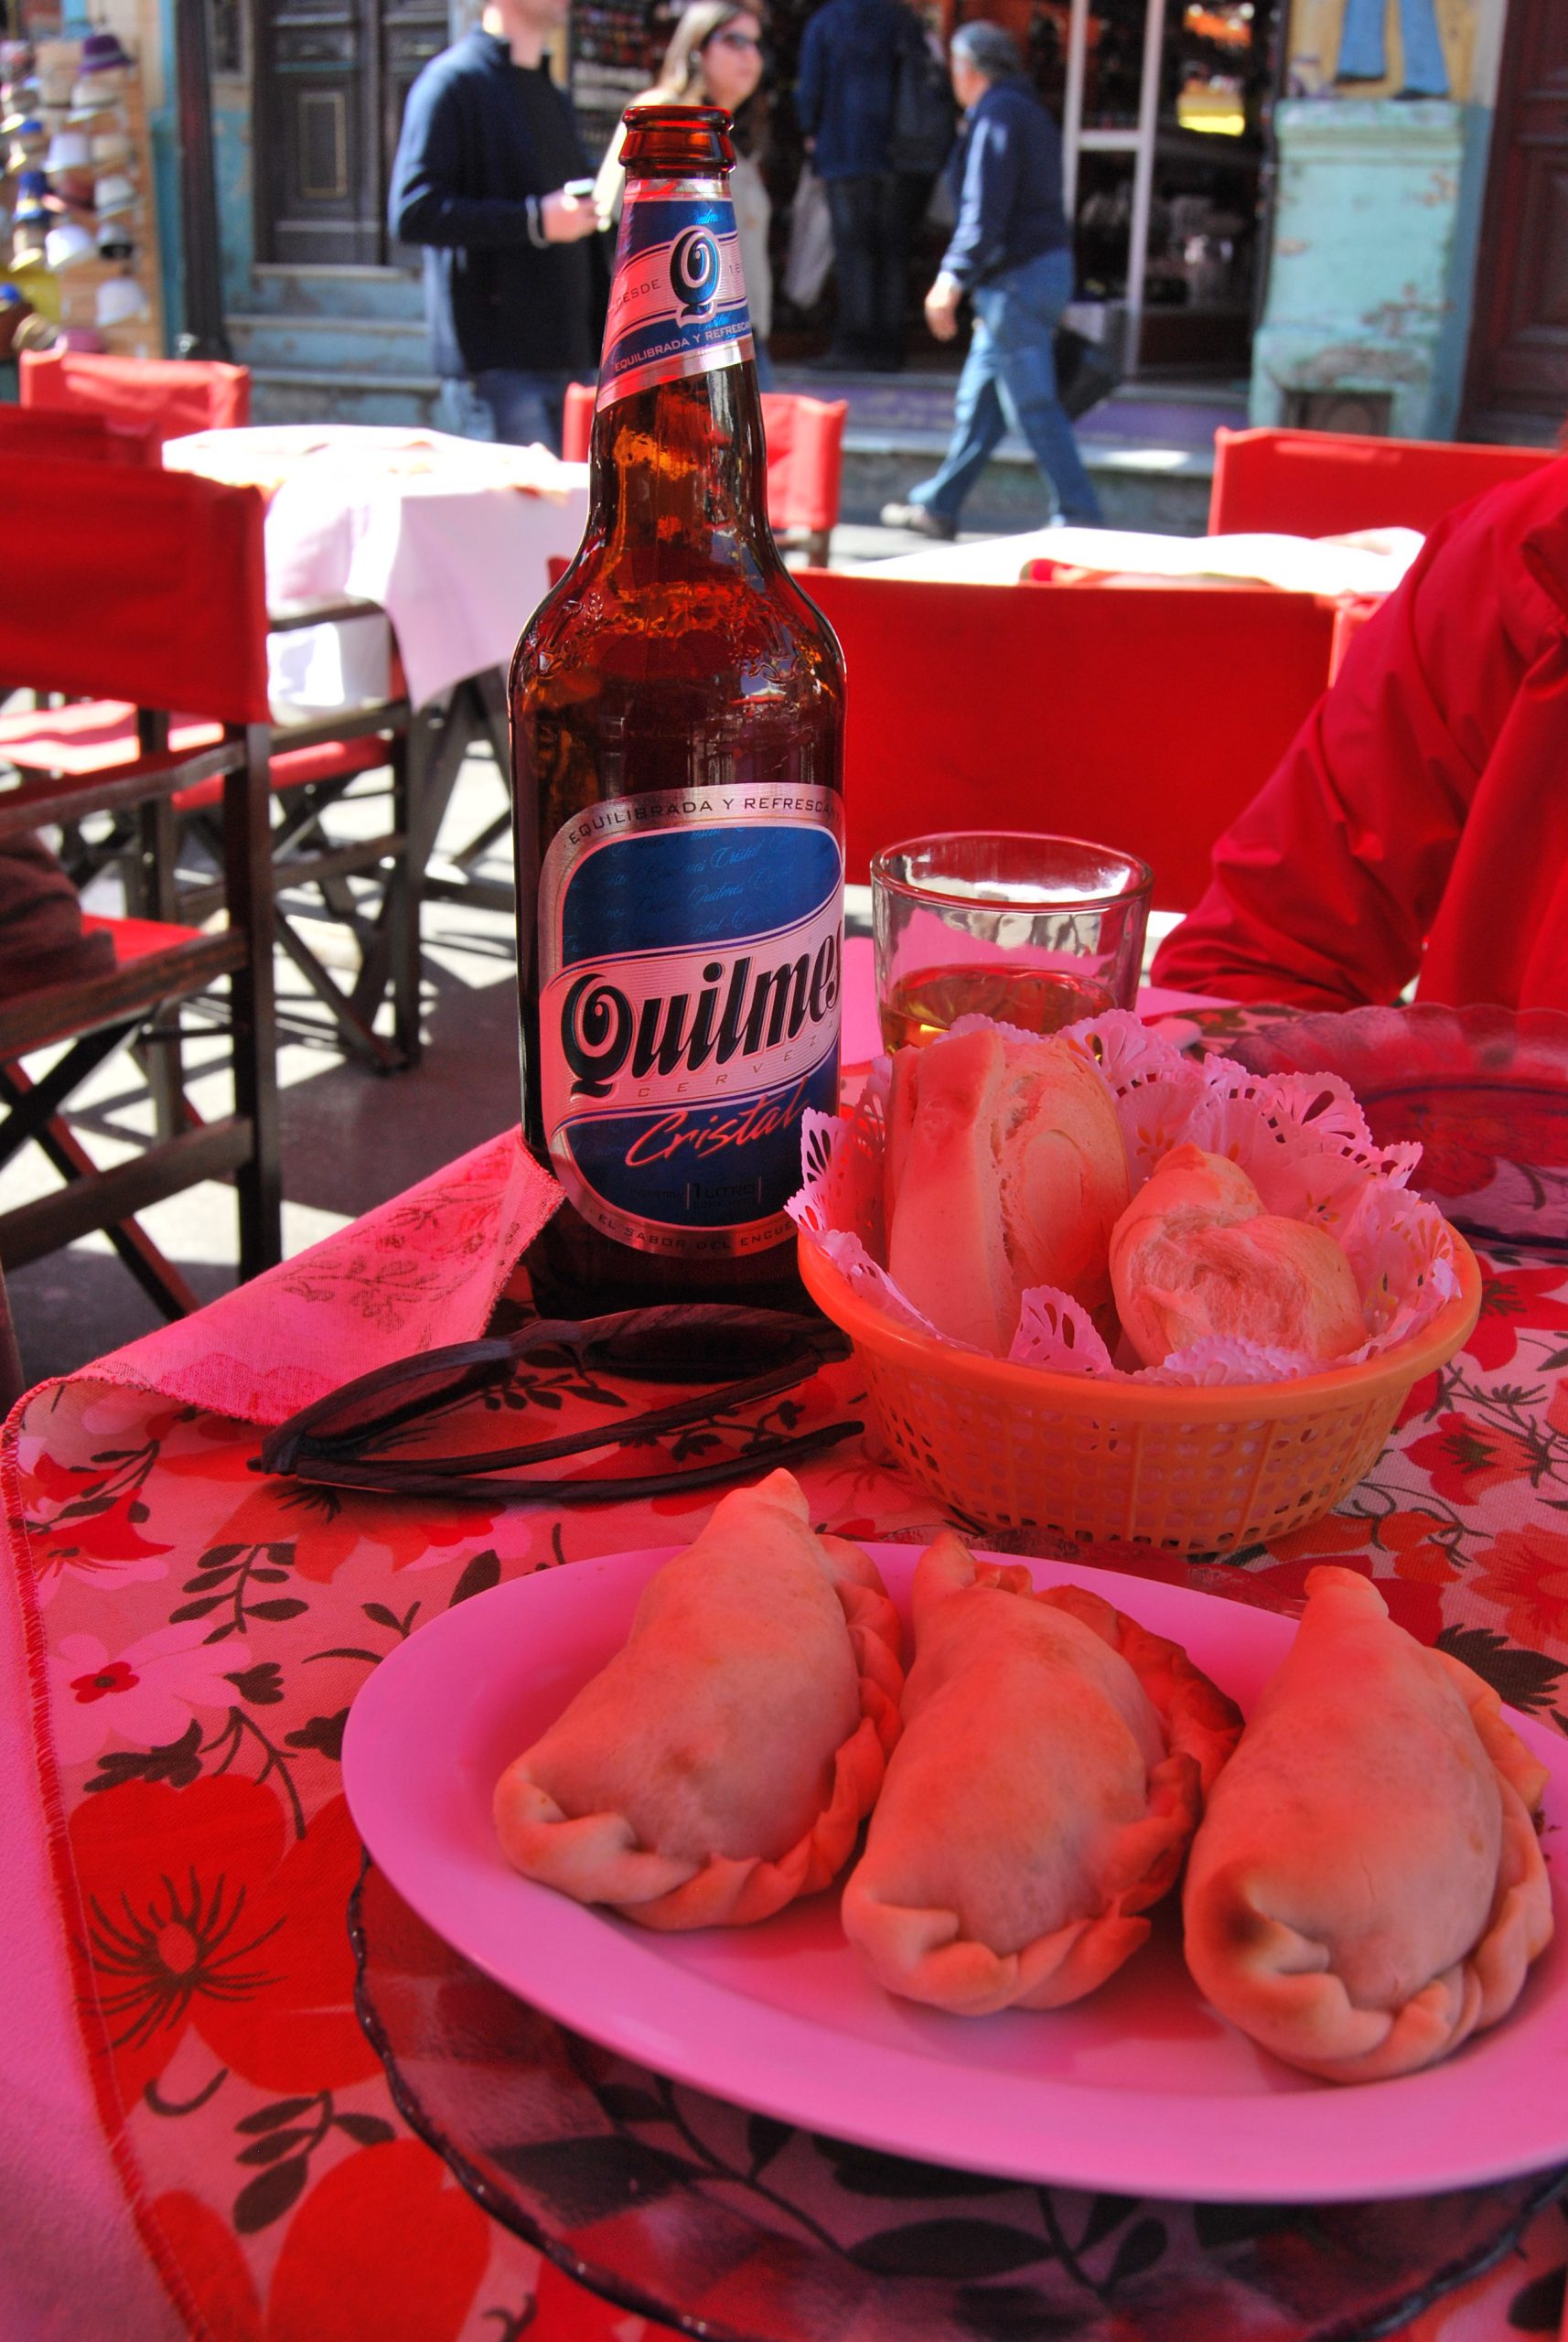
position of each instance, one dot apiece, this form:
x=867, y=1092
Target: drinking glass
x=1034, y=931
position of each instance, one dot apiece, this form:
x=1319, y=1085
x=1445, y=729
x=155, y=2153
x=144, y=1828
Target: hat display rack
x=79, y=238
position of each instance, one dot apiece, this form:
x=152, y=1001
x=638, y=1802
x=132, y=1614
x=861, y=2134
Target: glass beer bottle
x=677, y=711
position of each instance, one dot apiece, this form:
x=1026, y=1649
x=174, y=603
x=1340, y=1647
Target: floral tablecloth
x=195, y=1636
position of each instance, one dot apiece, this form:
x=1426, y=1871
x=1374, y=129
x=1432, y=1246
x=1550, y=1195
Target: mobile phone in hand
x=581, y=189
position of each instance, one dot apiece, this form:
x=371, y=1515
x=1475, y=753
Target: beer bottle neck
x=679, y=461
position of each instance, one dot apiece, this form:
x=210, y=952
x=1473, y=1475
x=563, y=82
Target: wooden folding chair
x=312, y=766
x=145, y=588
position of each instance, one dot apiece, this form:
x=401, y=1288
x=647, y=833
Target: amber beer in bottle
x=677, y=709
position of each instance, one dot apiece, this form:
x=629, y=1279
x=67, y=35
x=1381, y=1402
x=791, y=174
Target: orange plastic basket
x=1198, y=1471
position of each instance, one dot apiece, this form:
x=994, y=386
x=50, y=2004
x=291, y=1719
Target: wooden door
x=332, y=76
x=1518, y=376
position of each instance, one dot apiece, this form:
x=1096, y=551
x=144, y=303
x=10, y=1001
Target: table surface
x=192, y=1637
x=452, y=537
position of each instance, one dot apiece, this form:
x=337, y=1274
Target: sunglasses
x=735, y=40
x=350, y=1439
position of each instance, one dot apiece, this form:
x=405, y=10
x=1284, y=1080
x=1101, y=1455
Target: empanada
x=1196, y=1253
x=1367, y=1887
x=1005, y=1168
x=1053, y=1764
x=721, y=1763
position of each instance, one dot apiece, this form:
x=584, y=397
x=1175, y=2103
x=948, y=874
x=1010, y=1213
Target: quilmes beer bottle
x=676, y=713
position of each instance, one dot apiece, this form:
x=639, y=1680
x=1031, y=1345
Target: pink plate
x=1139, y=2090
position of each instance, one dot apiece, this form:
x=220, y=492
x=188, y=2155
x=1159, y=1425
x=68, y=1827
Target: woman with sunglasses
x=714, y=59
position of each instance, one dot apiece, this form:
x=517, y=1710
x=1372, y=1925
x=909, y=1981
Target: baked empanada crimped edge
x=562, y=1851
x=921, y=1953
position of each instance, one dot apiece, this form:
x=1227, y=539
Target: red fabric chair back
x=1145, y=719
x=80, y=438
x=142, y=585
x=805, y=453
x=169, y=396
x=1322, y=483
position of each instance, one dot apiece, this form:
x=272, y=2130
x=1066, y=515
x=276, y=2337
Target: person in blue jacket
x=1011, y=252
x=487, y=145
x=844, y=91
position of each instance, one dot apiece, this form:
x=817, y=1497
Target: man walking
x=1011, y=254
x=850, y=57
x=488, y=143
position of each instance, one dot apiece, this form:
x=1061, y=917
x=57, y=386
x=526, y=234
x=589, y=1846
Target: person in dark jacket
x=849, y=54
x=488, y=143
x=1011, y=252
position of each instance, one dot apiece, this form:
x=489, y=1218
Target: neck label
x=678, y=305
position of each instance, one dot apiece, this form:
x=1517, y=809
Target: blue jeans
x=1363, y=57
x=506, y=402
x=1010, y=378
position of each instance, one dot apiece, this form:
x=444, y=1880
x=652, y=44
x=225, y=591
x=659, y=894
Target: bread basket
x=1195, y=1470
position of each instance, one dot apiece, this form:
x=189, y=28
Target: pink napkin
x=421, y=1271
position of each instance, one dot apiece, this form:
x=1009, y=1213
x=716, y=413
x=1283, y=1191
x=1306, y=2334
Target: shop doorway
x=1518, y=377
x=1165, y=107
x=331, y=79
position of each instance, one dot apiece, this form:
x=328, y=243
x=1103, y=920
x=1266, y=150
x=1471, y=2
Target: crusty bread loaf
x=1003, y=1169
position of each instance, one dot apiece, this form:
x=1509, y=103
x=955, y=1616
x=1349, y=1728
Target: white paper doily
x=1301, y=1138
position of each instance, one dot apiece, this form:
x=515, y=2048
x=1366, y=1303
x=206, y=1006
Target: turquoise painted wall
x=236, y=208
x=1369, y=283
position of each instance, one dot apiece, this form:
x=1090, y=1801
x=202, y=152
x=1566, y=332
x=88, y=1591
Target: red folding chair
x=805, y=461
x=1325, y=483
x=1147, y=717
x=168, y=608
x=168, y=396
x=41, y=432
x=311, y=768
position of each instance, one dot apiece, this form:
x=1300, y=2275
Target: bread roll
x=1196, y=1253
x=1003, y=1169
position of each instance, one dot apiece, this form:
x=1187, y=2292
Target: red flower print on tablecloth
x=1514, y=1300
x=564, y=2312
x=1420, y=1400
x=1464, y=1458
x=1525, y=1572
x=87, y=1518
x=1415, y=1604
x=327, y=1526
x=1415, y=1540
x=385, y=2248
x=200, y=1911
x=144, y=1693
x=1460, y=1157
x=1336, y=1537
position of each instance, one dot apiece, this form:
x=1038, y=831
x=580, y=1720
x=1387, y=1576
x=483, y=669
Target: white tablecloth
x=452, y=537
x=1372, y=562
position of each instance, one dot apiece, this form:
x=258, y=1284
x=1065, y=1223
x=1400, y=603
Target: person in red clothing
x=1418, y=825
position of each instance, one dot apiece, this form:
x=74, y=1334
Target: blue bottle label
x=678, y=305
x=691, y=945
